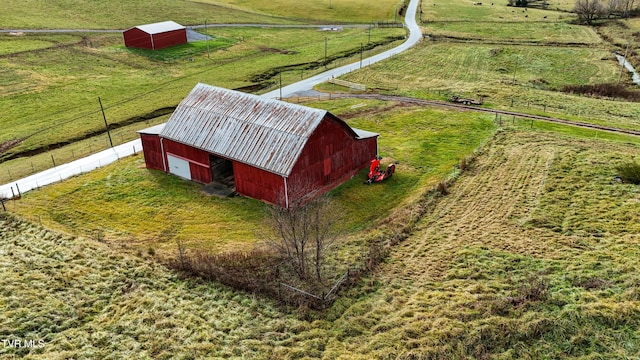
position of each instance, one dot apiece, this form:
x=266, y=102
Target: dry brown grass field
x=533, y=254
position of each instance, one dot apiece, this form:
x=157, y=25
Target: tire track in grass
x=487, y=207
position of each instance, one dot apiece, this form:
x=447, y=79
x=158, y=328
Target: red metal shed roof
x=160, y=27
x=265, y=133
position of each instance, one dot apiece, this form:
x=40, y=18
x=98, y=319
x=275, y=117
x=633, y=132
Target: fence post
x=53, y=160
x=17, y=188
x=3, y=208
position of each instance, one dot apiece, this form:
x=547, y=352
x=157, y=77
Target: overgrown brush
x=615, y=91
x=255, y=271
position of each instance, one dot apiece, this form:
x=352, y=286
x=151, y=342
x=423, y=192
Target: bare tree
x=588, y=10
x=621, y=8
x=304, y=234
x=628, y=6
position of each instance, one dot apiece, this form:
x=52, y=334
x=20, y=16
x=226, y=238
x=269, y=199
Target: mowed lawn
x=533, y=254
x=136, y=207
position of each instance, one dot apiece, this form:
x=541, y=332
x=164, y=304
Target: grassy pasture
x=184, y=51
x=10, y=44
x=52, y=93
x=327, y=11
x=132, y=204
x=538, y=33
x=123, y=14
x=516, y=263
x=120, y=14
x=465, y=10
x=441, y=69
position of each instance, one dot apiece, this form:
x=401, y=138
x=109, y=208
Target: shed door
x=178, y=166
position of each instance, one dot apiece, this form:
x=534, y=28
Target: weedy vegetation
x=517, y=261
x=495, y=239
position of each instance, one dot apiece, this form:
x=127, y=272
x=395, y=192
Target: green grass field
x=558, y=33
x=533, y=254
x=123, y=14
x=518, y=262
x=52, y=94
x=131, y=204
x=490, y=11
x=513, y=77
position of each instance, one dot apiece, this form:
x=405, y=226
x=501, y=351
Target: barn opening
x=221, y=170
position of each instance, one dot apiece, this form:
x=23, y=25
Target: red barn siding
x=152, y=151
x=169, y=38
x=137, y=38
x=198, y=159
x=331, y=156
x=259, y=184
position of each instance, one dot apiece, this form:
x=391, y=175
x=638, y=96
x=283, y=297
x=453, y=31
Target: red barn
x=277, y=152
x=155, y=36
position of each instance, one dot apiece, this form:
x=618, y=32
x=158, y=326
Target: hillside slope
x=533, y=254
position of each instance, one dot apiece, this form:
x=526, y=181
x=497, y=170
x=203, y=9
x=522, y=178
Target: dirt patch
x=5, y=146
x=277, y=51
x=375, y=111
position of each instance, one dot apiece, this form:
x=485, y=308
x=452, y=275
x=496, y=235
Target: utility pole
x=361, y=49
x=207, y=39
x=369, y=40
x=326, y=39
x=105, y=122
x=280, y=73
x=514, y=71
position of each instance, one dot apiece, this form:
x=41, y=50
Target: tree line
x=589, y=10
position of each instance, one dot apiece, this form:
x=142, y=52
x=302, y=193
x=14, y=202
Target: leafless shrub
x=304, y=234
x=254, y=271
x=588, y=10
x=442, y=188
x=463, y=164
x=603, y=90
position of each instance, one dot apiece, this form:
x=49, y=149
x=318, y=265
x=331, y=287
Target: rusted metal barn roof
x=265, y=133
x=160, y=27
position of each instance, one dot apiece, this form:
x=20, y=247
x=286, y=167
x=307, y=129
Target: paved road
x=108, y=156
x=68, y=170
x=415, y=34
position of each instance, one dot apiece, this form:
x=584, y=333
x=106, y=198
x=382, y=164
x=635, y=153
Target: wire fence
x=299, y=296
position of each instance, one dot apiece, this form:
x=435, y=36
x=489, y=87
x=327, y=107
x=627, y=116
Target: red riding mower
x=377, y=175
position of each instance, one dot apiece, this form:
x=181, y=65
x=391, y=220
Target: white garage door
x=179, y=167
